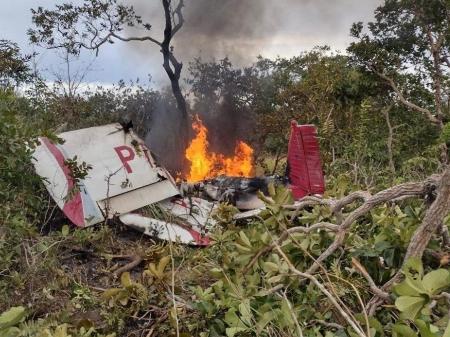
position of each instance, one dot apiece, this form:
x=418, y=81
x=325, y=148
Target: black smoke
x=243, y=29
x=240, y=30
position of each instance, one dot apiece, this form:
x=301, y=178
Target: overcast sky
x=240, y=29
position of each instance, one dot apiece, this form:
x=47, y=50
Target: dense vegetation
x=350, y=264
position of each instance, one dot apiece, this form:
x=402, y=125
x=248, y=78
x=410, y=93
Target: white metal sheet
x=123, y=172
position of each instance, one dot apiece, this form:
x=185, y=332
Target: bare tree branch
x=179, y=14
x=338, y=205
x=435, y=49
x=404, y=101
x=135, y=261
x=136, y=38
x=93, y=24
x=373, y=287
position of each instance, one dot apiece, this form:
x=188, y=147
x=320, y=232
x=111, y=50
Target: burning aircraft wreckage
x=124, y=180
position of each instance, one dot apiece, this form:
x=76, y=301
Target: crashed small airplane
x=124, y=179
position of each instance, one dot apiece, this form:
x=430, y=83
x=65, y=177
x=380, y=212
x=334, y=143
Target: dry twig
x=321, y=287
x=136, y=260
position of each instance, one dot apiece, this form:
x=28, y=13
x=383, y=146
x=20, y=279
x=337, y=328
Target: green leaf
x=265, y=238
x=246, y=312
x=232, y=319
x=436, y=280
x=373, y=323
x=153, y=270
x=416, y=285
x=426, y=329
x=275, y=279
x=402, y=330
x=123, y=298
x=109, y=293
x=231, y=332
x=413, y=264
x=10, y=332
x=409, y=305
x=65, y=230
x=125, y=279
x=162, y=265
x=330, y=334
x=244, y=239
x=216, y=272
x=283, y=196
x=11, y=317
x=286, y=309
x=270, y=266
x=405, y=289
x=264, y=320
x=242, y=249
x=271, y=189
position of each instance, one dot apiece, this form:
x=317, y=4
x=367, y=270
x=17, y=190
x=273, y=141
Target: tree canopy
x=407, y=47
x=14, y=66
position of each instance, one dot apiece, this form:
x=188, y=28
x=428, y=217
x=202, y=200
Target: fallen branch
x=430, y=224
x=136, y=260
x=327, y=324
x=400, y=191
x=433, y=218
x=335, y=204
x=445, y=235
x=363, y=272
x=308, y=201
x=338, y=205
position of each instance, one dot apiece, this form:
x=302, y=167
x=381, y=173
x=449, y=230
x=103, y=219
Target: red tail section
x=304, y=167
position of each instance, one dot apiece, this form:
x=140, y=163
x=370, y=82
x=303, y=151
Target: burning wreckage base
x=125, y=182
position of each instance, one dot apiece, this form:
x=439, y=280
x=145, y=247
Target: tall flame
x=206, y=164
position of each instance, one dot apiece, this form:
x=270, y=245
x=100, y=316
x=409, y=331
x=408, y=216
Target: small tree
x=98, y=22
x=408, y=47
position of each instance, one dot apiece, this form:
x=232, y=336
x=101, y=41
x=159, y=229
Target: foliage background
x=60, y=281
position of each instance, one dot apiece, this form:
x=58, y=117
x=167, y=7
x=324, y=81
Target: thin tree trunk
x=434, y=217
x=390, y=138
x=183, y=126
x=173, y=69
x=277, y=160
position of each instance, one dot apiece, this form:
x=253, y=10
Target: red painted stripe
x=179, y=202
x=73, y=208
x=199, y=239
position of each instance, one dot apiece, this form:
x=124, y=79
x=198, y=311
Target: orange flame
x=206, y=164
